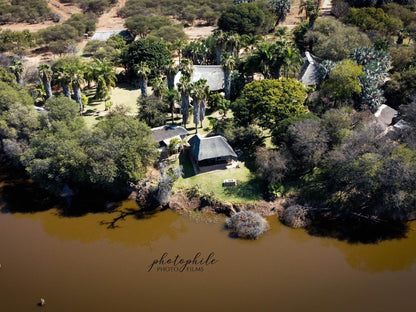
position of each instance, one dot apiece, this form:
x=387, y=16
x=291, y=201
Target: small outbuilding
x=164, y=134
x=211, y=153
x=106, y=34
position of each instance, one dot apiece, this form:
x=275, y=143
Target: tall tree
x=171, y=96
x=45, y=74
x=280, y=8
x=232, y=43
x=186, y=68
x=77, y=79
x=17, y=69
x=158, y=86
x=291, y=59
x=170, y=70
x=62, y=76
x=184, y=87
x=197, y=93
x=105, y=76
x=228, y=64
x=143, y=72
x=311, y=9
x=220, y=40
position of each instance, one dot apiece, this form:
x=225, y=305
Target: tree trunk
x=227, y=84
x=143, y=87
x=173, y=112
x=65, y=89
x=48, y=88
x=78, y=98
x=202, y=108
x=218, y=53
x=197, y=107
x=171, y=81
x=185, y=108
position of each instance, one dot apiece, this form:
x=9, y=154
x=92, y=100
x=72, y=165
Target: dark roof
x=309, y=70
x=166, y=132
x=211, y=147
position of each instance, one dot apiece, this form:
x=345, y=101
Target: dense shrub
x=246, y=224
x=31, y=11
x=296, y=217
x=182, y=9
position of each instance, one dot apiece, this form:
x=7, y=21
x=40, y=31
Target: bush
x=246, y=224
x=296, y=217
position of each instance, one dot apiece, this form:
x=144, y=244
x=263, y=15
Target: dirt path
x=110, y=20
x=293, y=18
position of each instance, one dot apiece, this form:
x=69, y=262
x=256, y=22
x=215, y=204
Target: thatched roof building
x=211, y=153
x=164, y=134
x=214, y=75
x=309, y=70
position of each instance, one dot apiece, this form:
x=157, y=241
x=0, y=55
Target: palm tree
x=105, y=77
x=186, y=68
x=17, y=69
x=228, y=64
x=76, y=71
x=178, y=45
x=171, y=96
x=199, y=93
x=291, y=59
x=248, y=41
x=143, y=72
x=45, y=74
x=233, y=42
x=170, y=70
x=103, y=72
x=264, y=59
x=220, y=39
x=184, y=87
x=158, y=86
x=77, y=79
x=62, y=76
x=311, y=9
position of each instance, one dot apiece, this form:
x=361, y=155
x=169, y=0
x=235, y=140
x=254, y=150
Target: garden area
x=249, y=189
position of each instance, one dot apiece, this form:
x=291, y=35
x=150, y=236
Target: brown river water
x=78, y=264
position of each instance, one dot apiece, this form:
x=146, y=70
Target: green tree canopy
x=62, y=108
x=246, y=18
x=343, y=81
x=152, y=51
x=330, y=39
x=267, y=102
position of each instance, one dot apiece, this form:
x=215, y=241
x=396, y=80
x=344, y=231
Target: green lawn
x=249, y=189
x=123, y=93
